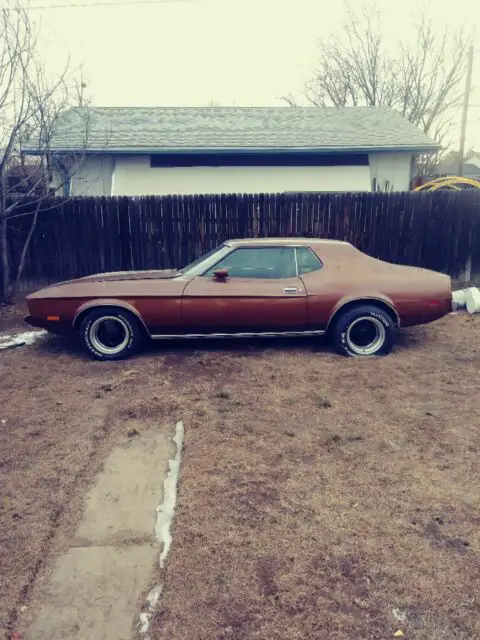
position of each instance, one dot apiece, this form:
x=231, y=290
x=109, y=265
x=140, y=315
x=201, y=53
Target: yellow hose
x=448, y=182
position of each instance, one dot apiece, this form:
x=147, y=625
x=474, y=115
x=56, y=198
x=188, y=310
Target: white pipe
x=459, y=299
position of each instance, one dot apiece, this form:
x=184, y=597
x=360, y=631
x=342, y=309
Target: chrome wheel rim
x=365, y=336
x=109, y=335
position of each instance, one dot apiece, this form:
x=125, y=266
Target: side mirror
x=220, y=274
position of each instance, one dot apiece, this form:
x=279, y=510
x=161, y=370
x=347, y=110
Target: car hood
x=116, y=284
x=124, y=275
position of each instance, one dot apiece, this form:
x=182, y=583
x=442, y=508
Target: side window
x=307, y=261
x=264, y=262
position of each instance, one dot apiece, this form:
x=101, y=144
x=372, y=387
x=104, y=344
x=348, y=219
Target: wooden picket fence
x=79, y=236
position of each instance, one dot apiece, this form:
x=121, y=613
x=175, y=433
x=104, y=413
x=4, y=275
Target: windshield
x=206, y=261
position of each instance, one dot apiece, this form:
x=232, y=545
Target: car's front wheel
x=363, y=331
x=111, y=334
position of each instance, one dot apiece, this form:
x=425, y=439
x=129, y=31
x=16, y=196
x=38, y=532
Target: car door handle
x=290, y=290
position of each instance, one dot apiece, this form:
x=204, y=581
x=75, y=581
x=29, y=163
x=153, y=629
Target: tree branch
x=422, y=81
x=30, y=107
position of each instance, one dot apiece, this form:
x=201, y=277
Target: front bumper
x=58, y=327
x=34, y=322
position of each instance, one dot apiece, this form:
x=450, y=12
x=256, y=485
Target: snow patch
x=163, y=525
x=154, y=596
x=146, y=616
x=145, y=622
x=165, y=511
x=399, y=615
x=27, y=337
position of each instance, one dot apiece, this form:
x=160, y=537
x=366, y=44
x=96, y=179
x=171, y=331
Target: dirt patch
x=317, y=495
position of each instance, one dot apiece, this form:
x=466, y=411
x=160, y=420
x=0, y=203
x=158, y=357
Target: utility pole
x=466, y=97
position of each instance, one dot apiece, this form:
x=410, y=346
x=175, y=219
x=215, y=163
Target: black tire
x=122, y=333
x=363, y=331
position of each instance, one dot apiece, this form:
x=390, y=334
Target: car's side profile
x=256, y=287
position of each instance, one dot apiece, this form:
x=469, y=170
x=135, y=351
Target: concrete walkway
x=94, y=590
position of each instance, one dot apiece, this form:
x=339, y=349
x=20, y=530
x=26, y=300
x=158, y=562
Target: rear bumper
x=61, y=328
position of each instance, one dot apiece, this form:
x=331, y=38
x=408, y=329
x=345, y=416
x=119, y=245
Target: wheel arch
x=349, y=303
x=107, y=303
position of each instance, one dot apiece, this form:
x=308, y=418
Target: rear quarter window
x=307, y=261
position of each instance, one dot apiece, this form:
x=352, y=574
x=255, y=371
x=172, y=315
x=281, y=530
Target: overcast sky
x=234, y=52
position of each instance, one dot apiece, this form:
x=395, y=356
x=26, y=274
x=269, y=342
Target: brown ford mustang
x=244, y=288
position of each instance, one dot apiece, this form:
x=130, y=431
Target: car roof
x=289, y=242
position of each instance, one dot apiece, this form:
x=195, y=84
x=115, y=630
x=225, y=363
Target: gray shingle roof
x=160, y=129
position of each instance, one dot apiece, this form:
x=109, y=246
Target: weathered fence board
x=78, y=236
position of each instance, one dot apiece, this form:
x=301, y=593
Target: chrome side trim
x=262, y=334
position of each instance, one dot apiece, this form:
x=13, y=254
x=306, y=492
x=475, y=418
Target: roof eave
x=219, y=150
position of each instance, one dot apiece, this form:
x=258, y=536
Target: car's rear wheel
x=111, y=334
x=365, y=330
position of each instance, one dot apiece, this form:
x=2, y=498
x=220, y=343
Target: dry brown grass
x=318, y=493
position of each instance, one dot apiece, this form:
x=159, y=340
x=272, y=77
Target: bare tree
x=80, y=96
x=423, y=81
x=30, y=106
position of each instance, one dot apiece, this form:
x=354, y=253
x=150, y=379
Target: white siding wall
x=134, y=177
x=94, y=177
x=391, y=170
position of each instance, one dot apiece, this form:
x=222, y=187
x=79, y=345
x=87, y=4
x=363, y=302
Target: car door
x=262, y=292
x=321, y=286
